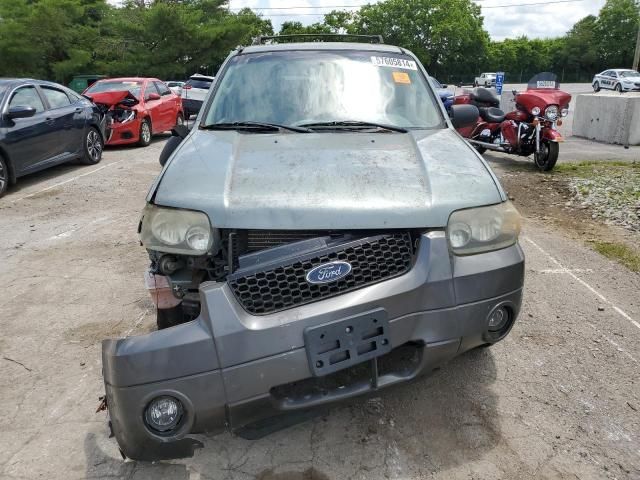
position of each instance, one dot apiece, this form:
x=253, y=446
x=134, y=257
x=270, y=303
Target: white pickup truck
x=485, y=80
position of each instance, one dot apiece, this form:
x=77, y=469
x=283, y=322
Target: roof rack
x=315, y=37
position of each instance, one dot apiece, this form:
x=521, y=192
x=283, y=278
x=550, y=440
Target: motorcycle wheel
x=596, y=86
x=546, y=159
x=480, y=149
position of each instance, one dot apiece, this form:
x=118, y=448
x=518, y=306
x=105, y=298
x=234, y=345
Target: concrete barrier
x=608, y=117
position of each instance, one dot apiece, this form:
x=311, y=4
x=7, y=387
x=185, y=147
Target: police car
x=618, y=79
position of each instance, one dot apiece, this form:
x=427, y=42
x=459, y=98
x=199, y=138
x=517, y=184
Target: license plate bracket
x=338, y=345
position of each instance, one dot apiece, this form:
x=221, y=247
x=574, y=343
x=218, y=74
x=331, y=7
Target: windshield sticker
x=401, y=77
x=546, y=84
x=394, y=63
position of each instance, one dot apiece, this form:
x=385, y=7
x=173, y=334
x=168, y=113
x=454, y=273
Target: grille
x=372, y=259
x=263, y=239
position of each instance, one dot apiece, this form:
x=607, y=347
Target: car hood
x=326, y=180
x=630, y=79
x=110, y=99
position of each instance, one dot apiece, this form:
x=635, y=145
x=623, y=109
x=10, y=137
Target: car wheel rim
x=146, y=133
x=94, y=145
x=3, y=177
x=179, y=121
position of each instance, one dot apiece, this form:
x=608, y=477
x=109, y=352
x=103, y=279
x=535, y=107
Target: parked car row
x=45, y=124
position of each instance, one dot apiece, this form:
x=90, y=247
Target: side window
x=162, y=88
x=56, y=98
x=149, y=89
x=614, y=74
x=27, y=97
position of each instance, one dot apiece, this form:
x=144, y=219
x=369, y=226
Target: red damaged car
x=136, y=108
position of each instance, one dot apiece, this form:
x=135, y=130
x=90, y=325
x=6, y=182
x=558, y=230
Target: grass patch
x=588, y=168
x=620, y=253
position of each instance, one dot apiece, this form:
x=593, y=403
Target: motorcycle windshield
x=544, y=81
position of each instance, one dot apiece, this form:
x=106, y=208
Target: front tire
x=93, y=146
x=618, y=88
x=4, y=176
x=546, y=159
x=596, y=86
x=179, y=119
x=144, y=139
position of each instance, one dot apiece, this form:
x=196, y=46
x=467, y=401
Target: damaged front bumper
x=230, y=369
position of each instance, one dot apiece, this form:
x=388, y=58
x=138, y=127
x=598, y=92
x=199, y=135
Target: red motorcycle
x=530, y=129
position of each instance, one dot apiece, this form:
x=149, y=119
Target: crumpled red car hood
x=113, y=98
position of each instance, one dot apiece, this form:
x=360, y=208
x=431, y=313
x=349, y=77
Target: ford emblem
x=328, y=272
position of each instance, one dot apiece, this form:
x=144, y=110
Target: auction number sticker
x=394, y=63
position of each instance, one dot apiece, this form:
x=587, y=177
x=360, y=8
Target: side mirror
x=463, y=115
x=21, y=111
x=178, y=133
x=153, y=96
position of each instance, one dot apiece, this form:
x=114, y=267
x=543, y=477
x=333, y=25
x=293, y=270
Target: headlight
x=535, y=111
x=551, y=112
x=483, y=229
x=564, y=112
x=173, y=230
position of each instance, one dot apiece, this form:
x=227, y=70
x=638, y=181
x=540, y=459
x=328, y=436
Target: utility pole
x=636, y=57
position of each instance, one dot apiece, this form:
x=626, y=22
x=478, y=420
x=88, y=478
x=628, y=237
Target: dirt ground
x=558, y=399
x=546, y=197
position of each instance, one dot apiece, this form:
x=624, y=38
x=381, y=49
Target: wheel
x=4, y=176
x=169, y=317
x=145, y=133
x=480, y=149
x=179, y=119
x=596, y=86
x=93, y=146
x=618, y=88
x=548, y=156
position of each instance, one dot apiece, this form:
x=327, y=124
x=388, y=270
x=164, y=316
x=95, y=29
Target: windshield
x=543, y=81
x=116, y=86
x=3, y=88
x=629, y=73
x=306, y=87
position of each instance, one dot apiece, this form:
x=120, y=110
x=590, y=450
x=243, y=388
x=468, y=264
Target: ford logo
x=328, y=272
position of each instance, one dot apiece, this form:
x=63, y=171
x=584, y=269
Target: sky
x=535, y=21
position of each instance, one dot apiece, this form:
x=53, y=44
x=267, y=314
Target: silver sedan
x=618, y=79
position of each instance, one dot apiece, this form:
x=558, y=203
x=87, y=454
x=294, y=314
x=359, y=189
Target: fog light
x=498, y=319
x=163, y=414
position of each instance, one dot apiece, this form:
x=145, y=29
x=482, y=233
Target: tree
x=48, y=38
x=617, y=27
x=446, y=35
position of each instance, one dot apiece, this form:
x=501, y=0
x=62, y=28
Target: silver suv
x=322, y=232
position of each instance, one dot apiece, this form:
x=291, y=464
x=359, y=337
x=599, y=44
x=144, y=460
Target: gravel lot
x=558, y=399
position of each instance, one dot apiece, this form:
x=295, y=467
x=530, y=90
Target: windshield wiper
x=254, y=126
x=356, y=124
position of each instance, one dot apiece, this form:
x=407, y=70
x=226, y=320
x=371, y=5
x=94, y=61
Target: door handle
x=78, y=109
x=49, y=120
